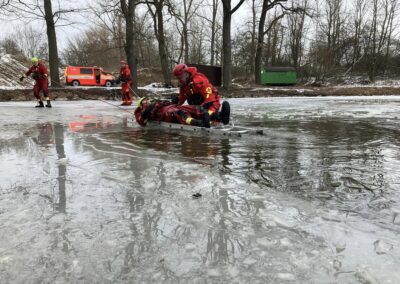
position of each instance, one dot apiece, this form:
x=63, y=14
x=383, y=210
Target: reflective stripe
x=208, y=91
x=80, y=77
x=189, y=120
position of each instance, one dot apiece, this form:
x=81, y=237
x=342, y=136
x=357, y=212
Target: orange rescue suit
x=199, y=91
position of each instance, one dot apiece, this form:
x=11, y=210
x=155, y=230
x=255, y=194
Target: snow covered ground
x=11, y=70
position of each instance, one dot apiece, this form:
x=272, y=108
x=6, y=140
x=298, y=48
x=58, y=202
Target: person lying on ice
x=39, y=74
x=195, y=88
x=166, y=111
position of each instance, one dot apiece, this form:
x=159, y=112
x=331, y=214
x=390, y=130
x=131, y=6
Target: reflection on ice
x=87, y=196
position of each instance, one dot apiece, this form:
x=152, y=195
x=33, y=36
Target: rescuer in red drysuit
x=126, y=79
x=166, y=111
x=197, y=90
x=39, y=74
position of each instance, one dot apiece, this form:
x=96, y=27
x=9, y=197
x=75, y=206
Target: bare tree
x=10, y=46
x=52, y=42
x=184, y=16
x=267, y=6
x=88, y=49
x=214, y=27
x=33, y=10
x=31, y=42
x=296, y=32
x=253, y=33
x=128, y=10
x=4, y=3
x=333, y=30
x=383, y=13
x=198, y=51
x=392, y=14
x=226, y=41
x=108, y=14
x=360, y=11
x=158, y=21
x=146, y=42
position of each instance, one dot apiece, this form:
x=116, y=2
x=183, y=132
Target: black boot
x=225, y=113
x=40, y=104
x=206, y=120
x=182, y=114
x=48, y=104
x=196, y=122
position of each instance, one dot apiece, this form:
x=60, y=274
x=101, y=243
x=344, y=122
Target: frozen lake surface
x=88, y=196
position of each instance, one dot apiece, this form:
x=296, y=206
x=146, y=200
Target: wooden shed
x=213, y=73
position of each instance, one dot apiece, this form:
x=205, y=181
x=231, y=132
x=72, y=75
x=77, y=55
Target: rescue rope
x=103, y=101
x=139, y=97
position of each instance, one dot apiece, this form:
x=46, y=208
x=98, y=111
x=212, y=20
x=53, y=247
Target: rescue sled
x=223, y=130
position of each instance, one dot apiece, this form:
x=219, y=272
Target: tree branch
x=237, y=7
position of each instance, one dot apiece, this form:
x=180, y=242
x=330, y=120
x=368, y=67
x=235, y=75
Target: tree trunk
x=213, y=30
x=186, y=42
x=260, y=42
x=162, y=47
x=52, y=42
x=121, y=45
x=372, y=63
x=226, y=45
x=128, y=9
x=226, y=42
x=253, y=36
x=185, y=32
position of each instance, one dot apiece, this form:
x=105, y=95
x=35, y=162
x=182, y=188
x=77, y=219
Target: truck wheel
x=108, y=84
x=75, y=83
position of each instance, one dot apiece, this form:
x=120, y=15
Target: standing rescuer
x=195, y=88
x=126, y=79
x=39, y=73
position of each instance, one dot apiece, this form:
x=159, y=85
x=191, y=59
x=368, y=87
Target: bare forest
x=320, y=38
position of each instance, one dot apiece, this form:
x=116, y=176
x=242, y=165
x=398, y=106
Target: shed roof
x=279, y=69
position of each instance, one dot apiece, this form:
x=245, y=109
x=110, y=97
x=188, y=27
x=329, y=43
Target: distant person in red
x=195, y=88
x=166, y=111
x=39, y=73
x=126, y=79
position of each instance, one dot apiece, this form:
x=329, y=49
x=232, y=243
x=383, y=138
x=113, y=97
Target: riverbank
x=25, y=94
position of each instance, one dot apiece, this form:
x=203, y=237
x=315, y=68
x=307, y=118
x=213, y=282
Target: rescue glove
x=21, y=78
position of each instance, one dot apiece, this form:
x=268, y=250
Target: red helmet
x=180, y=69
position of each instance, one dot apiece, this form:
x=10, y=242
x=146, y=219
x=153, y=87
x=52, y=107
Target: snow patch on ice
x=282, y=89
x=158, y=88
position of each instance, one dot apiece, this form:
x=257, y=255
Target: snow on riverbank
x=11, y=70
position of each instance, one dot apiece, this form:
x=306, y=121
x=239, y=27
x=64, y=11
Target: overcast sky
x=66, y=33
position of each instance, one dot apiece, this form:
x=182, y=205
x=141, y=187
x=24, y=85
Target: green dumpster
x=278, y=76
